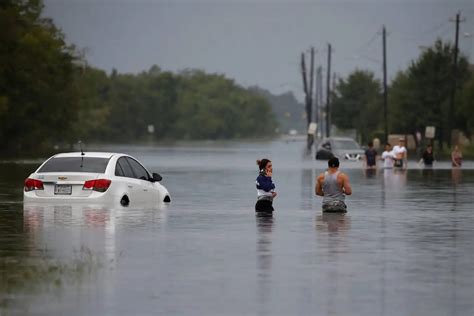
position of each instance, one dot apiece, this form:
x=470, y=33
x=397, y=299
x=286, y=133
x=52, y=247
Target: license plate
x=62, y=189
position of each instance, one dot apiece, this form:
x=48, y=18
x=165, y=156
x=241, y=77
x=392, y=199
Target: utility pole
x=308, y=90
x=453, y=87
x=328, y=93
x=310, y=140
x=311, y=84
x=385, y=98
x=305, y=83
x=318, y=97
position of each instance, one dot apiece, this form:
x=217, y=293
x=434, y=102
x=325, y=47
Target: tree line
x=188, y=105
x=418, y=97
x=49, y=95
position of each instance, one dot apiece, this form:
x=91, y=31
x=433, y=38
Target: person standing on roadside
x=333, y=186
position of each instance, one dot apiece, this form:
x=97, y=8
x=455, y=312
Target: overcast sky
x=257, y=42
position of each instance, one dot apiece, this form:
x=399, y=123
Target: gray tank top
x=332, y=191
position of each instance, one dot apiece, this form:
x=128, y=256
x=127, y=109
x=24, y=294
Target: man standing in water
x=370, y=158
x=333, y=186
x=400, y=153
x=388, y=157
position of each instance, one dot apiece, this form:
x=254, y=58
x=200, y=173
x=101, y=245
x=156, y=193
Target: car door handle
x=130, y=186
x=146, y=190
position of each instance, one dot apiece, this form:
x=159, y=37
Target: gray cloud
x=256, y=42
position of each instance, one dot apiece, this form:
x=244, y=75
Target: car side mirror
x=156, y=177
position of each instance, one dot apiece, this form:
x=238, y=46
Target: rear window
x=75, y=164
x=346, y=144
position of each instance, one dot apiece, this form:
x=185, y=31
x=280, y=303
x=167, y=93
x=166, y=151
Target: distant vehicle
x=340, y=147
x=96, y=178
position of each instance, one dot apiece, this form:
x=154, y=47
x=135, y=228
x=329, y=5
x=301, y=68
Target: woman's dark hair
x=262, y=163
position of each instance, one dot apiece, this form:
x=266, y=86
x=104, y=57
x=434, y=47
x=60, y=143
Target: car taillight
x=99, y=185
x=33, y=184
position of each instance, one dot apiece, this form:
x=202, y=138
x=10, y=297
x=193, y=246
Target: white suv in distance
x=94, y=177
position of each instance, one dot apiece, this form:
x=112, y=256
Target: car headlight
x=352, y=156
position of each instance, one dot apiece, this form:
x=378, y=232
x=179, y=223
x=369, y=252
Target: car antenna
x=80, y=146
x=82, y=154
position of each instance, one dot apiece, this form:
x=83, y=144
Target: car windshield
x=75, y=164
x=346, y=144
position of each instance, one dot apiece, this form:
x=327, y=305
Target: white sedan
x=94, y=177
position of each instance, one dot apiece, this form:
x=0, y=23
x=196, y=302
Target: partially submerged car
x=94, y=177
x=340, y=147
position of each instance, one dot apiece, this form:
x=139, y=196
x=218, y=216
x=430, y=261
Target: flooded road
x=405, y=247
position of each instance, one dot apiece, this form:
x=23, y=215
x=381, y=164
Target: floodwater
x=405, y=247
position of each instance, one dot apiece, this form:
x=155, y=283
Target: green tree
x=37, y=94
x=93, y=88
x=213, y=107
x=356, y=104
x=465, y=108
x=161, y=98
x=419, y=97
x=290, y=113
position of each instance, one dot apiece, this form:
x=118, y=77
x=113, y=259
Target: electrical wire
x=422, y=34
x=369, y=42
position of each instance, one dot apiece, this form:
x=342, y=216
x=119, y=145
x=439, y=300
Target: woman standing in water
x=265, y=186
x=456, y=157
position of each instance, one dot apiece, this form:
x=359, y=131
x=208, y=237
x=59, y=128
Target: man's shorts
x=398, y=163
x=335, y=206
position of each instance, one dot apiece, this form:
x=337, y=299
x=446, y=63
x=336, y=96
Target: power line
x=328, y=94
x=369, y=42
x=424, y=33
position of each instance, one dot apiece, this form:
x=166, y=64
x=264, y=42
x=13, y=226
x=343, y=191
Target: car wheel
x=124, y=201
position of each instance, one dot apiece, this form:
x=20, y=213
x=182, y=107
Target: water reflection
x=456, y=176
x=427, y=173
x=395, y=180
x=265, y=225
x=100, y=221
x=332, y=222
x=393, y=187
x=92, y=216
x=307, y=189
x=370, y=173
x=333, y=227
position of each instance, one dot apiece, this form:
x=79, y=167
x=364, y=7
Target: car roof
x=87, y=154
